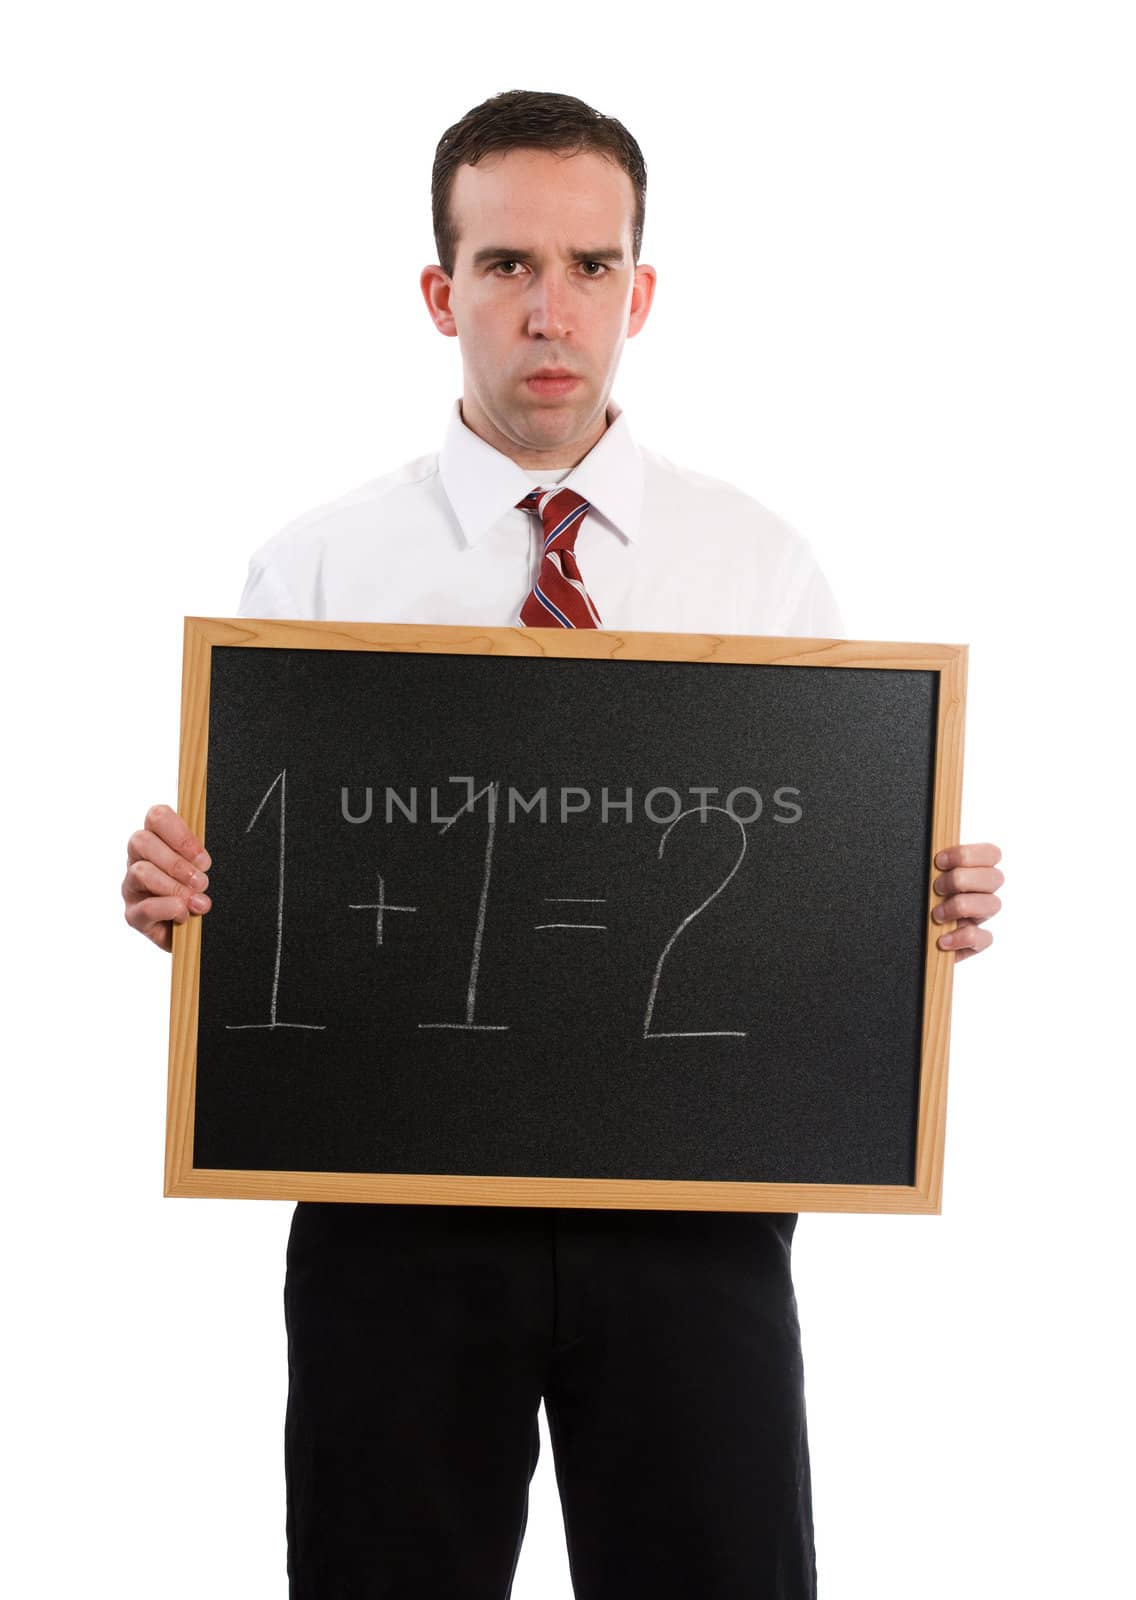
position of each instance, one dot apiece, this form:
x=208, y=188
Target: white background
x=895, y=304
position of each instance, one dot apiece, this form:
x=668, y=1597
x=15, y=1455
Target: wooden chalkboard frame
x=203, y=634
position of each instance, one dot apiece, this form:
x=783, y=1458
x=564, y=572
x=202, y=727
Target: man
x=422, y=1338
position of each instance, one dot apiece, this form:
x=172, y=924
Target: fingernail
x=198, y=880
x=204, y=861
x=947, y=940
x=941, y=859
x=198, y=902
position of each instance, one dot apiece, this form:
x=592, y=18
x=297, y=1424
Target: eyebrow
x=610, y=253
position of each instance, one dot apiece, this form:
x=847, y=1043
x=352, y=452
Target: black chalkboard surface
x=529, y=916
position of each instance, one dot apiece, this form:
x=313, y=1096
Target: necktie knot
x=561, y=512
x=558, y=598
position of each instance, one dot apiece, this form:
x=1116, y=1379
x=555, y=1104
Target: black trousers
x=665, y=1345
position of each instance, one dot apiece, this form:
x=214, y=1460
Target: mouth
x=552, y=381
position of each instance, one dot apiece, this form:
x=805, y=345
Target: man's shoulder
x=777, y=582
x=734, y=508
x=365, y=507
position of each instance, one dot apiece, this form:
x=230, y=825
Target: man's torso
x=440, y=541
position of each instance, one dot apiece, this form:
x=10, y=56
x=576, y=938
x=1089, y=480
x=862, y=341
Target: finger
x=969, y=855
x=165, y=822
x=145, y=845
x=979, y=906
x=981, y=879
x=146, y=914
x=968, y=936
x=145, y=878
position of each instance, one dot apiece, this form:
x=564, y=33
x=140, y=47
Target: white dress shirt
x=440, y=540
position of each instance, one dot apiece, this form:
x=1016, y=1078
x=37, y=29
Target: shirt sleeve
x=265, y=595
x=807, y=607
x=819, y=612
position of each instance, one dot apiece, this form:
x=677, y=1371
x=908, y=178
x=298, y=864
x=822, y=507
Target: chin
x=562, y=416
x=551, y=428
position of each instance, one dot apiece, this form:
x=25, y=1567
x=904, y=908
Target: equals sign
x=572, y=900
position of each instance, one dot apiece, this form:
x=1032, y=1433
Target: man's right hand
x=165, y=876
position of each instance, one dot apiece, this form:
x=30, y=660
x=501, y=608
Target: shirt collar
x=482, y=484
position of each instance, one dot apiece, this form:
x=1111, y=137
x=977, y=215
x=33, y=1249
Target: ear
x=437, y=288
x=642, y=296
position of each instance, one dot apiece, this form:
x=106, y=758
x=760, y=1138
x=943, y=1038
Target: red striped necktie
x=558, y=598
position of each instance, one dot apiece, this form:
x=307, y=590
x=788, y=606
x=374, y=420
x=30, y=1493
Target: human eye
x=499, y=266
x=600, y=266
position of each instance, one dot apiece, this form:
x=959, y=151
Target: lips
x=552, y=380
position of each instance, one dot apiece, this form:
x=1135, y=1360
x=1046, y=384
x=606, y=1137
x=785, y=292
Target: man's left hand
x=968, y=877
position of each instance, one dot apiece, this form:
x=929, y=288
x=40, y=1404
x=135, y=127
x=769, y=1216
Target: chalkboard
x=550, y=917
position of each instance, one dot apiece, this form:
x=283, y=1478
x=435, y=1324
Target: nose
x=549, y=317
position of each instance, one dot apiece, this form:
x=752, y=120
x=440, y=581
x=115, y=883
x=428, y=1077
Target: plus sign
x=379, y=906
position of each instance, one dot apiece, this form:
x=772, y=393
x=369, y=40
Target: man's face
x=543, y=284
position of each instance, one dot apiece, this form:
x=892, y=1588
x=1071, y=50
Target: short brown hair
x=521, y=119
